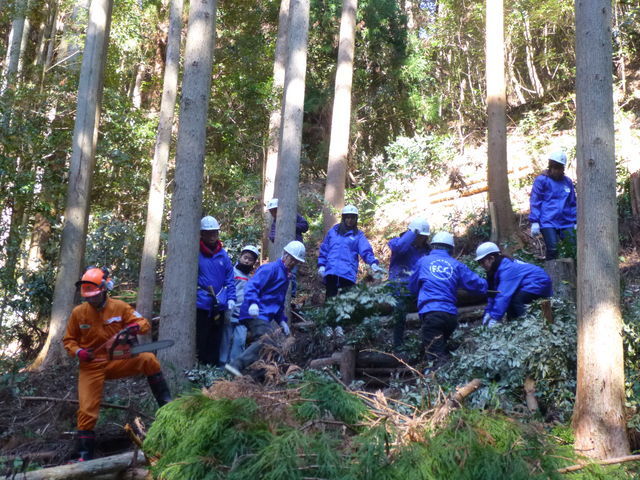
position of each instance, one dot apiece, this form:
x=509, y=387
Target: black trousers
x=208, y=336
x=437, y=327
x=335, y=283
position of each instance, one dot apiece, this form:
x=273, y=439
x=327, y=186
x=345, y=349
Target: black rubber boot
x=86, y=445
x=159, y=388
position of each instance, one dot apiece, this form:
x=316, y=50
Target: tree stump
x=563, y=275
x=348, y=364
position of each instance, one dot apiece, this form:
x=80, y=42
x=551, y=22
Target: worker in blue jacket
x=262, y=309
x=553, y=205
x=436, y=281
x=338, y=259
x=406, y=251
x=302, y=226
x=515, y=284
x=216, y=291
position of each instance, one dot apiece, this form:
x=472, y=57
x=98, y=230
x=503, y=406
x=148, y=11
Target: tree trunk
x=598, y=417
x=155, y=204
x=341, y=117
x=498, y=178
x=291, y=128
x=12, y=60
x=271, y=163
x=529, y=53
x=178, y=309
x=85, y=136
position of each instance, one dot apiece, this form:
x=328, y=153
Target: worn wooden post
x=563, y=275
x=348, y=364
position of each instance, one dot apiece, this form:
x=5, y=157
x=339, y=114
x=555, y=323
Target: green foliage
x=323, y=396
x=505, y=355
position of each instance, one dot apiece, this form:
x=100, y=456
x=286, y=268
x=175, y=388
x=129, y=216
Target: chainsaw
x=124, y=344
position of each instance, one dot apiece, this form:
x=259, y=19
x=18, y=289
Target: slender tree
x=178, y=308
x=275, y=118
x=85, y=136
x=291, y=129
x=498, y=179
x=14, y=49
x=341, y=118
x=598, y=417
x=155, y=207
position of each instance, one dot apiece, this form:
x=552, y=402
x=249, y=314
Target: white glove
x=535, y=229
x=377, y=268
x=254, y=310
x=486, y=318
x=231, y=304
x=285, y=328
x=321, y=271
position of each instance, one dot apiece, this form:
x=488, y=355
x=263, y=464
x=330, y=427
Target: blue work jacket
x=514, y=275
x=215, y=271
x=268, y=289
x=553, y=203
x=301, y=226
x=339, y=253
x=436, y=280
x=404, y=257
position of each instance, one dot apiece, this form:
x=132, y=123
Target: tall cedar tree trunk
x=12, y=60
x=341, y=117
x=291, y=128
x=498, y=179
x=83, y=159
x=271, y=163
x=598, y=417
x=155, y=205
x=178, y=309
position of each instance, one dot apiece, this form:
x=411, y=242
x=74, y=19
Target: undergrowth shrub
x=503, y=356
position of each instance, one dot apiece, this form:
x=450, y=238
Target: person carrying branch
x=553, y=205
x=89, y=327
x=339, y=252
x=263, y=307
x=216, y=292
x=514, y=283
x=435, y=282
x=406, y=251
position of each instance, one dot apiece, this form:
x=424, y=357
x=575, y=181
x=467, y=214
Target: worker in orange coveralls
x=90, y=325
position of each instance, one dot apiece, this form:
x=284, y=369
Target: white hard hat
x=209, y=223
x=273, y=203
x=252, y=249
x=350, y=210
x=558, y=157
x=444, y=238
x=485, y=249
x=421, y=225
x=296, y=250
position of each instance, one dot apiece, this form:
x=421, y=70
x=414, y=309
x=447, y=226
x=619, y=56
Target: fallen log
x=367, y=358
x=453, y=402
x=319, y=363
x=90, y=469
x=608, y=461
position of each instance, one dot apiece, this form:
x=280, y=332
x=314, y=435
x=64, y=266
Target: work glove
x=231, y=304
x=321, y=271
x=85, y=355
x=133, y=328
x=285, y=328
x=487, y=321
x=535, y=229
x=376, y=268
x=254, y=310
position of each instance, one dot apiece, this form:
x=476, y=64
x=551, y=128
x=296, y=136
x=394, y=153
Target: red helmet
x=93, y=282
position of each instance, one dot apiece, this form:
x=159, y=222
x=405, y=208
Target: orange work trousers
x=91, y=382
